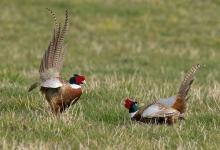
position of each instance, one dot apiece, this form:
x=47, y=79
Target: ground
x=137, y=48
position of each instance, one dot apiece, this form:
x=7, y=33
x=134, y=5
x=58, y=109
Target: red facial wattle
x=128, y=103
x=80, y=79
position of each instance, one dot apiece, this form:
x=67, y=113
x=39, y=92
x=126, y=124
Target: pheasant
x=164, y=110
x=60, y=94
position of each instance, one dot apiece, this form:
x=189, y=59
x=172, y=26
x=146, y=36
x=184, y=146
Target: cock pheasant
x=165, y=110
x=60, y=94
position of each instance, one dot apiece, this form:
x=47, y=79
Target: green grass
x=135, y=48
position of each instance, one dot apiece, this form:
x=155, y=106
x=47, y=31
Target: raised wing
x=52, y=61
x=159, y=110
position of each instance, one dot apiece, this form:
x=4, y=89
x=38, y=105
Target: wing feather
x=167, y=101
x=158, y=110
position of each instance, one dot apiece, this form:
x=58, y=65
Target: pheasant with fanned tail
x=59, y=93
x=164, y=110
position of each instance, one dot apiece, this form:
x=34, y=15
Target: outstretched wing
x=187, y=82
x=52, y=61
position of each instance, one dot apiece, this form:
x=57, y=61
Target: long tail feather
x=188, y=80
x=53, y=57
x=180, y=102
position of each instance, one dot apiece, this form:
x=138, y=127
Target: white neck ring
x=132, y=114
x=75, y=86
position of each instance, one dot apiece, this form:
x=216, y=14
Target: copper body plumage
x=165, y=110
x=61, y=98
x=59, y=93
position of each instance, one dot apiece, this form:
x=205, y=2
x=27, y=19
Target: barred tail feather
x=188, y=80
x=180, y=102
x=53, y=57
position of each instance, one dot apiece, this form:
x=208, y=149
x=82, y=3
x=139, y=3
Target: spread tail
x=33, y=86
x=180, y=103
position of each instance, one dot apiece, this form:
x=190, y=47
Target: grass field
x=136, y=48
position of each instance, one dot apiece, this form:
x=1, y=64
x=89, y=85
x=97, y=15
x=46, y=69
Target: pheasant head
x=77, y=79
x=131, y=105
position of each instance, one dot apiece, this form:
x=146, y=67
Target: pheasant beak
x=84, y=82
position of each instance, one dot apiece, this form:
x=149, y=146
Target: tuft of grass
x=139, y=49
